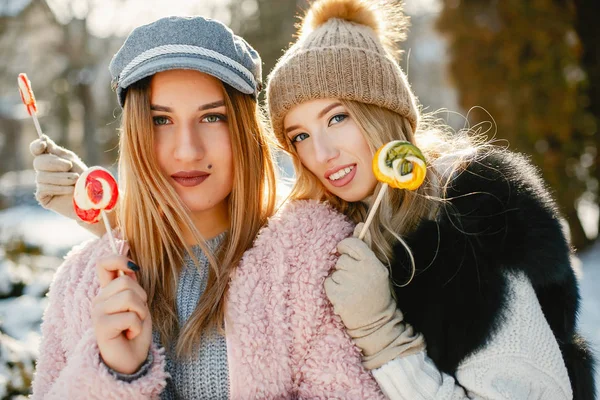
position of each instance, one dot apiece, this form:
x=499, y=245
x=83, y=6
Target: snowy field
x=589, y=318
x=24, y=281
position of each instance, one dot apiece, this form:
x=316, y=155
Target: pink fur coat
x=283, y=339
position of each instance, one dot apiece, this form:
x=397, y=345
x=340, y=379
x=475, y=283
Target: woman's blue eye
x=299, y=137
x=336, y=119
x=211, y=119
x=160, y=120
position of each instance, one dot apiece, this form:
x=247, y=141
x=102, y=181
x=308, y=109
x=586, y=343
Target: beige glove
x=359, y=290
x=57, y=170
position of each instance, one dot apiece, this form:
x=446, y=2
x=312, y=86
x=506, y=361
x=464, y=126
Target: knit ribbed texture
x=206, y=376
x=142, y=371
x=340, y=60
x=521, y=361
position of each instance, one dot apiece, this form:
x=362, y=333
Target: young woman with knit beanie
x=477, y=259
x=196, y=314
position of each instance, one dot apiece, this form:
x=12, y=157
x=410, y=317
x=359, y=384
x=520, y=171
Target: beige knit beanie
x=344, y=51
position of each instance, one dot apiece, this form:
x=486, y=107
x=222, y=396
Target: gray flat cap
x=197, y=43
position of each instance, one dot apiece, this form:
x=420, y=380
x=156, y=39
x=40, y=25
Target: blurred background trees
x=533, y=67
x=588, y=30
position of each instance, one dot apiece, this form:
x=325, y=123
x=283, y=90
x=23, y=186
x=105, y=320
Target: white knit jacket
x=521, y=361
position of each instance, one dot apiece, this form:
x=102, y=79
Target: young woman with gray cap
x=197, y=318
x=479, y=263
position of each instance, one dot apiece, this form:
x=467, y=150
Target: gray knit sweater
x=205, y=376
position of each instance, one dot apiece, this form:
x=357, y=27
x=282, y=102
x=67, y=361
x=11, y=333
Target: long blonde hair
x=153, y=218
x=401, y=210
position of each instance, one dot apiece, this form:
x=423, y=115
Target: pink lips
x=190, y=178
x=343, y=181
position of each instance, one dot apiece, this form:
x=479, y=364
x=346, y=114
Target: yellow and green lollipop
x=398, y=164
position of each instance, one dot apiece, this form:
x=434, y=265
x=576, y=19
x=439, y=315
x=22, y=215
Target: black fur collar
x=499, y=217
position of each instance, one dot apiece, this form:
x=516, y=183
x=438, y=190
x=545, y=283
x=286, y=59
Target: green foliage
x=520, y=61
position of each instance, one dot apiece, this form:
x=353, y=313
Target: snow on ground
x=53, y=233
x=589, y=317
x=16, y=366
x=22, y=303
x=24, y=282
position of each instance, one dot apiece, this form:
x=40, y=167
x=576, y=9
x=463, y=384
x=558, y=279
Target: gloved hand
x=57, y=170
x=359, y=290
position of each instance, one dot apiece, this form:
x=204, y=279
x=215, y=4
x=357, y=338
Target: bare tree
x=79, y=76
x=27, y=30
x=589, y=32
x=267, y=25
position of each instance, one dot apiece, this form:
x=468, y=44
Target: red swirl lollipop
x=29, y=99
x=26, y=93
x=96, y=192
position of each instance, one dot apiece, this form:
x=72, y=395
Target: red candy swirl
x=26, y=93
x=95, y=190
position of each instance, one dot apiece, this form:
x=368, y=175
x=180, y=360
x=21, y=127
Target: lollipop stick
x=37, y=124
x=110, y=235
x=382, y=191
x=109, y=231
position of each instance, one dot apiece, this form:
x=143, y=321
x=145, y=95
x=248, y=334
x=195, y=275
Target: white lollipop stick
x=111, y=238
x=382, y=191
x=37, y=125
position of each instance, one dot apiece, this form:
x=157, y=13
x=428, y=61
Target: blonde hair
x=401, y=210
x=154, y=219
